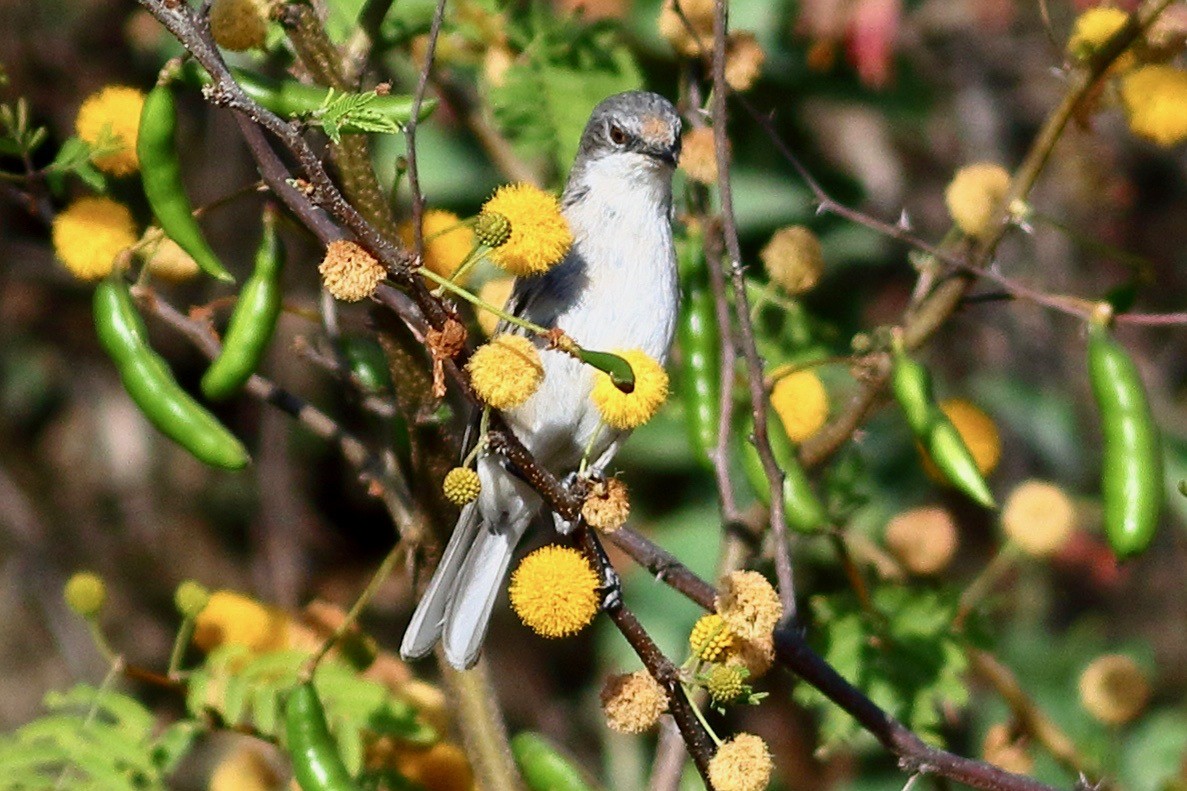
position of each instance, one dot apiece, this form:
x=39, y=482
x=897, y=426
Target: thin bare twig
x=758, y=397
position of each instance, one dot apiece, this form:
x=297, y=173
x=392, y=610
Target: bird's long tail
x=456, y=607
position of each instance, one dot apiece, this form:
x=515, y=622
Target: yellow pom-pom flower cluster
x=165, y=259
x=698, y=156
x=744, y=58
x=89, y=234
x=801, y=402
x=1155, y=99
x=85, y=593
x=108, y=121
x=1114, y=689
x=607, y=507
x=442, y=767
x=349, y=272
x=447, y=240
x=974, y=197
x=749, y=604
x=633, y=702
x=741, y=764
x=1092, y=29
x=554, y=591
x=673, y=26
x=711, y=638
x=462, y=485
x=923, y=539
x=625, y=411
x=239, y=25
x=794, y=259
x=232, y=618
x=494, y=292
x=505, y=371
x=244, y=768
x=1039, y=517
x=540, y=235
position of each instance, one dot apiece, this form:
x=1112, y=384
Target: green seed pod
x=1131, y=480
x=151, y=385
x=700, y=352
x=543, y=767
x=802, y=508
x=368, y=364
x=911, y=384
x=252, y=323
x=317, y=765
x=160, y=173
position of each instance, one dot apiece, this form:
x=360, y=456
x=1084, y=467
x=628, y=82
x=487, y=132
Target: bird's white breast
x=625, y=297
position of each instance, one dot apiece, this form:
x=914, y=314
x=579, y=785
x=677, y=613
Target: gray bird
x=616, y=289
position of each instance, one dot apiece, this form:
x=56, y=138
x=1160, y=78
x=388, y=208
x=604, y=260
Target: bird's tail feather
x=427, y=621
x=467, y=615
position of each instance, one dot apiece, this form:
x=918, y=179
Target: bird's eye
x=617, y=135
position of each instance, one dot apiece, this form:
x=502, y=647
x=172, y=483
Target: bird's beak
x=666, y=154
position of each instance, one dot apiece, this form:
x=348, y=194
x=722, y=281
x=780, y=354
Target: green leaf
x=545, y=99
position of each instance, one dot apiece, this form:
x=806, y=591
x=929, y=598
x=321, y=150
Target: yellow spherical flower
x=1003, y=749
x=756, y=655
x=442, y=767
x=233, y=618
x=794, y=259
x=698, y=155
x=608, y=506
x=699, y=16
x=85, y=594
x=166, y=260
x=349, y=272
x=505, y=371
x=1092, y=29
x=801, y=402
x=630, y=410
x=1155, y=99
x=462, y=485
x=979, y=433
x=89, y=235
x=239, y=25
x=493, y=292
x=710, y=638
x=1039, y=517
x=1114, y=689
x=975, y=195
x=108, y=121
x=554, y=591
x=741, y=764
x=633, y=702
x=244, y=769
x=923, y=539
x=744, y=58
x=540, y=234
x=749, y=604
x=447, y=242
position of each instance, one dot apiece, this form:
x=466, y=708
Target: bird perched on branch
x=615, y=289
